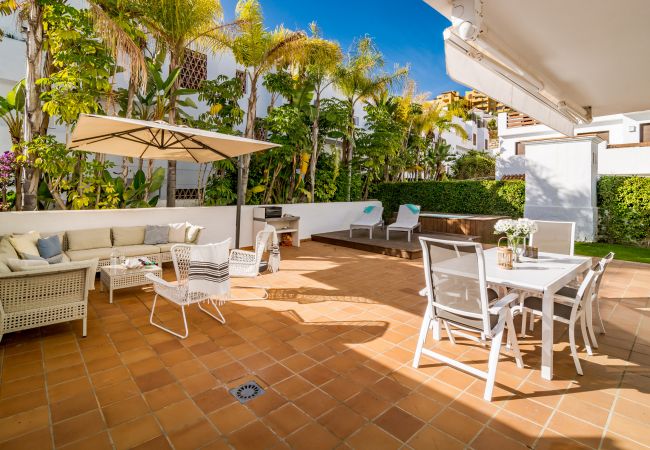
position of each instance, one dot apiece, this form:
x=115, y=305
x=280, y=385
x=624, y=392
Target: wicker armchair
x=246, y=264
x=177, y=291
x=54, y=294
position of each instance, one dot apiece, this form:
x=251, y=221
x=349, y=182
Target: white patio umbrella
x=160, y=140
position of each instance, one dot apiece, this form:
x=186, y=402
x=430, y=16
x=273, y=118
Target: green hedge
x=624, y=213
x=470, y=197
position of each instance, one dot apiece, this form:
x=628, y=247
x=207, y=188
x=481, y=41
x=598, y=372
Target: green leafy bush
x=624, y=213
x=474, y=164
x=470, y=197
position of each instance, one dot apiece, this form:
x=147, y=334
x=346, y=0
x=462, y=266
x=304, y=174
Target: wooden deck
x=472, y=225
x=398, y=244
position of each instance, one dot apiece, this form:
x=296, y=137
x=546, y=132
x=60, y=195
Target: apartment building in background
x=624, y=147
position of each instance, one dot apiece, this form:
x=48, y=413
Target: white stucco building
x=625, y=149
x=478, y=135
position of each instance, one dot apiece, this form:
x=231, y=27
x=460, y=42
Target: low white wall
x=219, y=221
x=624, y=161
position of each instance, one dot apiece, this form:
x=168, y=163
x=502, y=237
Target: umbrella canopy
x=157, y=140
x=160, y=140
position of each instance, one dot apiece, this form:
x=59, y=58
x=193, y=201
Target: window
x=644, y=128
x=241, y=75
x=474, y=139
x=194, y=70
x=486, y=144
x=520, y=149
x=604, y=135
x=356, y=120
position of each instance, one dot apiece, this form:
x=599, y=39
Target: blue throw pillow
x=368, y=209
x=49, y=246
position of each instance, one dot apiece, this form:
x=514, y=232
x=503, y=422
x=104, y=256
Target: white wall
x=219, y=221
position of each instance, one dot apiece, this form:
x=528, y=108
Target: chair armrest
x=502, y=303
x=155, y=279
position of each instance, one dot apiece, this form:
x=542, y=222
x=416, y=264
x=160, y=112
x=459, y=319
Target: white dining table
x=543, y=276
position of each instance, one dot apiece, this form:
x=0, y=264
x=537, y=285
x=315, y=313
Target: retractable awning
x=557, y=61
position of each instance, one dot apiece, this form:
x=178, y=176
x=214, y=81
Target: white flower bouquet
x=517, y=231
x=521, y=228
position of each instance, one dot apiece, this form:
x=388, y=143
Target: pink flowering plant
x=7, y=178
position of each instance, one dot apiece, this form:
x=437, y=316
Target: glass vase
x=518, y=246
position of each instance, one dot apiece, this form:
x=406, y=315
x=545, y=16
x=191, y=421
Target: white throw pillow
x=192, y=233
x=177, y=232
x=25, y=244
x=21, y=265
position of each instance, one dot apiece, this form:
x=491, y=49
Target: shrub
x=470, y=197
x=474, y=164
x=624, y=212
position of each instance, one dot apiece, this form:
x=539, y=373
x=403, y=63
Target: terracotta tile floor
x=333, y=349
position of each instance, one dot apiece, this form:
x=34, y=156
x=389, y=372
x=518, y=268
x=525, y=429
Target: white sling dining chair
x=570, y=313
x=458, y=298
x=554, y=237
x=179, y=293
x=568, y=293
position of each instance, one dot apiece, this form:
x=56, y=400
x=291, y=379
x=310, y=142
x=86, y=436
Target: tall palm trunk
x=129, y=113
x=314, y=145
x=251, y=115
x=33, y=112
x=351, y=148
x=171, y=165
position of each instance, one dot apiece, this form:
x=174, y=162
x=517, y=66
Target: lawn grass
x=623, y=252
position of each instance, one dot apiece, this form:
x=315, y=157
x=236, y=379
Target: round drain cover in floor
x=247, y=391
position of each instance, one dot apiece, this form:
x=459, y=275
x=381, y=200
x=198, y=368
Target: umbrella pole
x=240, y=198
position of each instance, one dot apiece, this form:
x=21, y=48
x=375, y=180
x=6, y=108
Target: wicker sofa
x=80, y=245
x=45, y=296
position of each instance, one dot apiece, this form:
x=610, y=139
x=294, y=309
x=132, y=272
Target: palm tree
x=258, y=50
x=177, y=25
x=432, y=123
x=319, y=60
x=358, y=79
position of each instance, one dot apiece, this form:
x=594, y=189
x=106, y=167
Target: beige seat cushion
x=4, y=268
x=166, y=247
x=91, y=253
x=20, y=265
x=25, y=244
x=138, y=250
x=128, y=236
x=90, y=238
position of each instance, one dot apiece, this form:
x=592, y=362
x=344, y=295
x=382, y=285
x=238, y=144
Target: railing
x=632, y=145
x=516, y=119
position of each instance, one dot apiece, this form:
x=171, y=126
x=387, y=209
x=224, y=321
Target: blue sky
x=407, y=31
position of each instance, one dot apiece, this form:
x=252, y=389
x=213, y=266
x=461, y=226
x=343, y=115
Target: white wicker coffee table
x=118, y=277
